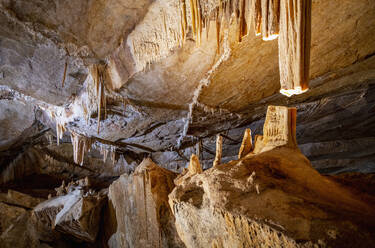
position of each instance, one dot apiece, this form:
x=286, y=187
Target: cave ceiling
x=161, y=93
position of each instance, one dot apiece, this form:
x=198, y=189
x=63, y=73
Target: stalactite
x=199, y=17
x=247, y=144
x=99, y=105
x=104, y=153
x=64, y=75
x=113, y=154
x=60, y=130
x=242, y=29
x=97, y=72
x=269, y=19
x=219, y=150
x=218, y=27
x=273, y=20
x=194, y=165
x=81, y=145
x=257, y=15
x=294, y=46
x=184, y=23
x=193, y=16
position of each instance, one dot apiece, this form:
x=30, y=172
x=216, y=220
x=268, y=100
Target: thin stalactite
x=64, y=75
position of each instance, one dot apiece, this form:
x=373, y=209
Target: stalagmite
x=279, y=129
x=194, y=165
x=294, y=46
x=247, y=144
x=81, y=145
x=219, y=148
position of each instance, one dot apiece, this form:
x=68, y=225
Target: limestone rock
x=19, y=229
x=19, y=199
x=294, y=46
x=285, y=203
x=246, y=145
x=279, y=129
x=9, y=214
x=272, y=196
x=219, y=150
x=142, y=212
x=194, y=165
x=77, y=213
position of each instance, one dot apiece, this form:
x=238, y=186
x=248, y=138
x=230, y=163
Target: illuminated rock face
x=154, y=78
x=279, y=129
x=246, y=145
x=294, y=46
x=142, y=213
x=271, y=196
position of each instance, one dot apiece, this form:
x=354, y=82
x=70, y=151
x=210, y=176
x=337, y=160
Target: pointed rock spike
x=247, y=144
x=219, y=150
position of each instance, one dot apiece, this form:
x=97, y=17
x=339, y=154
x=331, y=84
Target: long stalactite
x=98, y=72
x=294, y=46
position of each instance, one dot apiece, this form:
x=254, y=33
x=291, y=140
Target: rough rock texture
x=189, y=93
x=271, y=197
x=19, y=229
x=142, y=212
x=76, y=213
x=165, y=89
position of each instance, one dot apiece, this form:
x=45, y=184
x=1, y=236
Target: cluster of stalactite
x=98, y=73
x=60, y=125
x=81, y=145
x=289, y=19
x=107, y=149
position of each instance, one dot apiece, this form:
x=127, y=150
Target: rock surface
x=76, y=213
x=142, y=213
x=272, y=196
x=165, y=91
x=18, y=228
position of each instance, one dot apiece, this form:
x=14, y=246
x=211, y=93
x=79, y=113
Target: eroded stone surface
x=142, y=212
x=76, y=213
x=263, y=198
x=271, y=196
